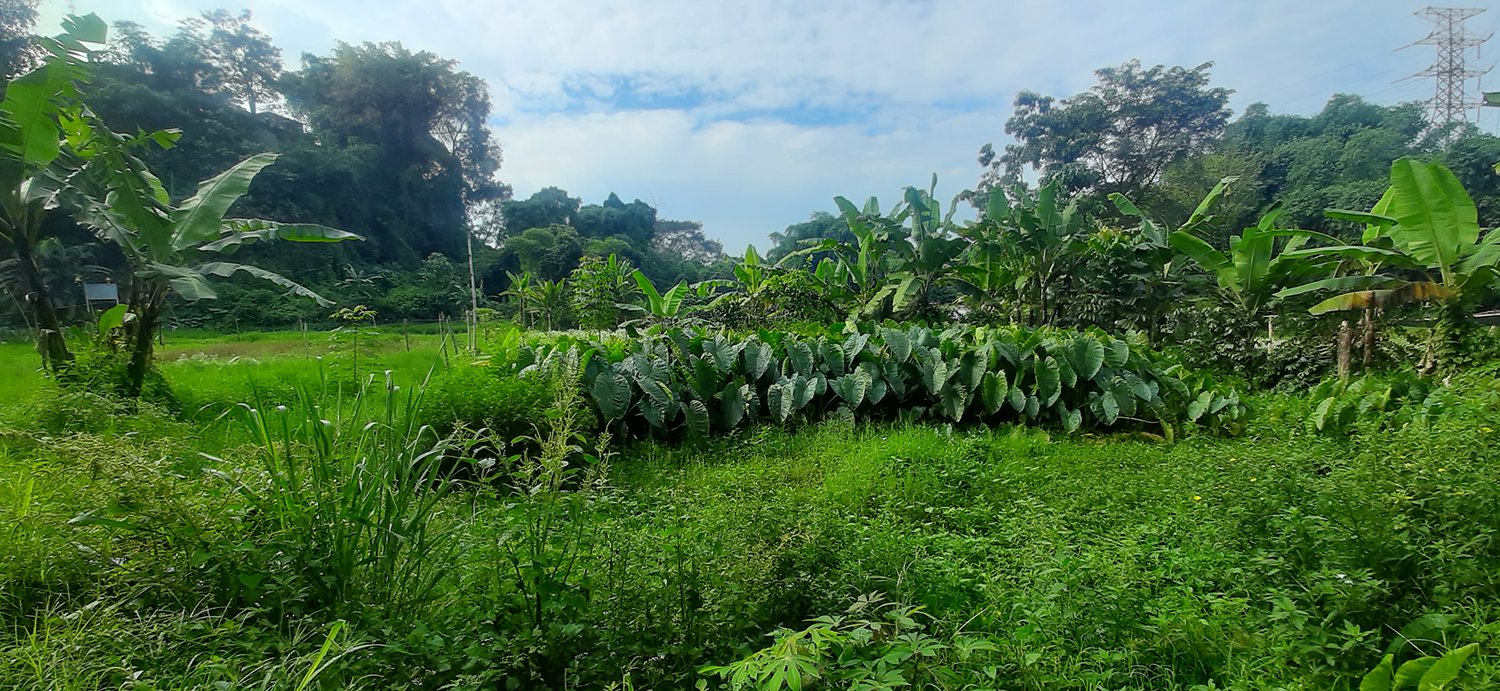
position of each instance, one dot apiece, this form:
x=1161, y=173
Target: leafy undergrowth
x=1010, y=559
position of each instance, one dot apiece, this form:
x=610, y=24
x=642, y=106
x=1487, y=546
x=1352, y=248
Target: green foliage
x=875, y=645
x=489, y=398
x=696, y=384
x=1120, y=136
x=599, y=286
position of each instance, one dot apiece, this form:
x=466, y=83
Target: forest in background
x=394, y=145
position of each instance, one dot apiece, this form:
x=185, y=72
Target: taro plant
x=1423, y=671
x=174, y=249
x=695, y=384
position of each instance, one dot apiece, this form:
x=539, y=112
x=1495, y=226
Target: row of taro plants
x=691, y=383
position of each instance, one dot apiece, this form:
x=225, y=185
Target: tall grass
x=352, y=490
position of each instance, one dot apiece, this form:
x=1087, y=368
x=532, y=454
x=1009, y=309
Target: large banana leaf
x=226, y=269
x=1404, y=292
x=240, y=232
x=1436, y=218
x=200, y=219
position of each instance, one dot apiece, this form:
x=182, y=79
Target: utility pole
x=1451, y=100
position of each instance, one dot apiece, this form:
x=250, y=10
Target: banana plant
x=1025, y=248
x=40, y=109
x=172, y=249
x=661, y=309
x=549, y=299
x=1254, y=267
x=1422, y=244
x=520, y=291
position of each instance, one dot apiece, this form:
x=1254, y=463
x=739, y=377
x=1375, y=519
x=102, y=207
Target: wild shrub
x=487, y=397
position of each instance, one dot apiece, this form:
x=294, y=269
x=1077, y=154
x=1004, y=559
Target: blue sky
x=749, y=115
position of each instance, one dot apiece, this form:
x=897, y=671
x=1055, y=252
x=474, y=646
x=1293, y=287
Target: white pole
x=473, y=320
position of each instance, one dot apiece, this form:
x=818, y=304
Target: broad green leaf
x=1208, y=258
x=898, y=344
x=225, y=269
x=612, y=394
x=696, y=414
x=1409, y=674
x=993, y=388
x=1072, y=420
x=1365, y=217
x=1048, y=381
x=800, y=357
x=112, y=318
x=1109, y=408
x=1436, y=218
x=199, y=219
x=757, y=358
x=1446, y=669
x=249, y=231
x=1380, y=678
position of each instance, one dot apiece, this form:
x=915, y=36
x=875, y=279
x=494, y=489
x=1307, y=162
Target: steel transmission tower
x=1452, y=99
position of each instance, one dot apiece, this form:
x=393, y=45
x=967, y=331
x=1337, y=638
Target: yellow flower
x=1197, y=498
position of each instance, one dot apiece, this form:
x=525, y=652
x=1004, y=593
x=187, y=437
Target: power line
x=1450, y=103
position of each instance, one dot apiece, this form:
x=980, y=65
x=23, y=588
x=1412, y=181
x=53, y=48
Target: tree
x=249, y=62
x=549, y=253
x=547, y=207
x=40, y=118
x=168, y=246
x=1117, y=137
x=685, y=239
x=18, y=48
x=817, y=227
x=600, y=285
x=423, y=122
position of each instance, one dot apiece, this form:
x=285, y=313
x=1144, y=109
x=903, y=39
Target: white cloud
x=780, y=104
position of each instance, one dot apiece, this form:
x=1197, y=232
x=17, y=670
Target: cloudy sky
x=748, y=115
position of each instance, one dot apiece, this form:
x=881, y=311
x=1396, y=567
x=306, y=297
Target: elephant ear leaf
x=1380, y=678
x=898, y=343
x=800, y=356
x=757, y=359
x=852, y=387
x=1072, y=420
x=992, y=390
x=1088, y=357
x=1048, y=380
x=878, y=386
x=697, y=419
x=732, y=403
x=612, y=394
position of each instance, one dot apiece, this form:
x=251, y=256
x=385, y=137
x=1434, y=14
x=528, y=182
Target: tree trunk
x=146, y=303
x=1346, y=341
x=1367, y=339
x=50, y=341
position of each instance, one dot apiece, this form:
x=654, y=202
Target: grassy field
x=157, y=548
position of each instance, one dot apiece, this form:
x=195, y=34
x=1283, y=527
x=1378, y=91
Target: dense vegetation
x=1214, y=414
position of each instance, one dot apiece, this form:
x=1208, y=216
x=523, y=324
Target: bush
x=488, y=397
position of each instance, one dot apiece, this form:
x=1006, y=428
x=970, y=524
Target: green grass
x=1276, y=560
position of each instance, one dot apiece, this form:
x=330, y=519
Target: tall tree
x=548, y=206
x=249, y=63
x=1119, y=136
x=424, y=120
x=18, y=48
